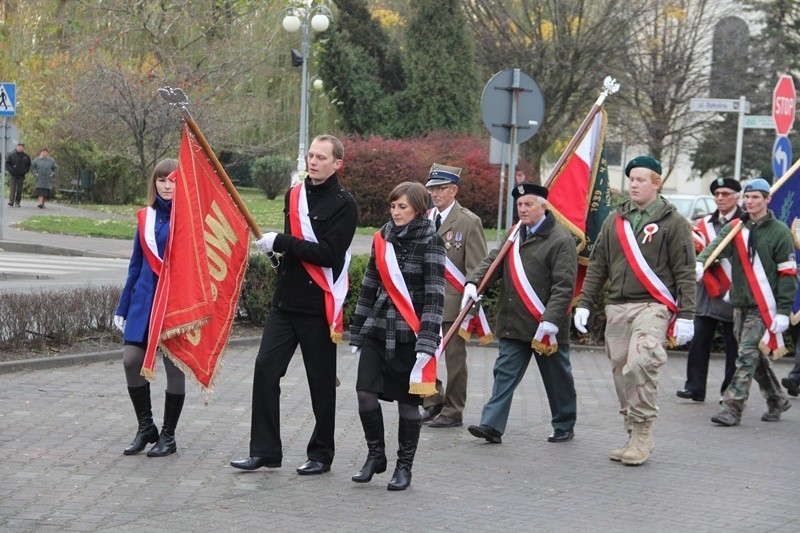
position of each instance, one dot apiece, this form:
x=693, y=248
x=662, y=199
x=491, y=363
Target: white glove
x=727, y=297
x=581, y=318
x=266, y=242
x=470, y=293
x=684, y=330
x=699, y=268
x=119, y=323
x=356, y=351
x=780, y=324
x=546, y=328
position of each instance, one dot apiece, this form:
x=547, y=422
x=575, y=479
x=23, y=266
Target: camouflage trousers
x=748, y=328
x=635, y=338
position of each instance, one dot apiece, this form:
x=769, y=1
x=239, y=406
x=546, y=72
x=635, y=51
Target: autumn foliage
x=373, y=166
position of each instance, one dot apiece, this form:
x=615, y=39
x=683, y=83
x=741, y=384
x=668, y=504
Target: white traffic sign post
x=726, y=105
x=8, y=106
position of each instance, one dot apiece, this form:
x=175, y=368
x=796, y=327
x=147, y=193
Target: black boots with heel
x=147, y=432
x=372, y=421
x=173, y=405
x=407, y=439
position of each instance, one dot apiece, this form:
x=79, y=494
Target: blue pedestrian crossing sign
x=8, y=99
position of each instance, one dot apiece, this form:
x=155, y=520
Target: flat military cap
x=643, y=161
x=728, y=183
x=529, y=188
x=443, y=175
x=758, y=184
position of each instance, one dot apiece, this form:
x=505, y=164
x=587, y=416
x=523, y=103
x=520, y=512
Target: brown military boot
x=616, y=454
x=641, y=444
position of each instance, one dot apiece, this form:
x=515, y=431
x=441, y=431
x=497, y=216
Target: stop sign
x=783, y=104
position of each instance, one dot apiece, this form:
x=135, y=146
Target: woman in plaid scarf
x=387, y=345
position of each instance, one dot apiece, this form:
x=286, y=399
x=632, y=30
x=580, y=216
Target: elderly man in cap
x=764, y=265
x=18, y=163
x=538, y=282
x=645, y=250
x=712, y=308
x=465, y=246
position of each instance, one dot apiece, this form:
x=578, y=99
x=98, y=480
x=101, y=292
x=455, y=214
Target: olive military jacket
x=774, y=246
x=550, y=260
x=465, y=246
x=669, y=252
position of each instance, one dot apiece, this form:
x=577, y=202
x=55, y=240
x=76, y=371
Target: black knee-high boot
x=173, y=405
x=147, y=432
x=407, y=438
x=372, y=421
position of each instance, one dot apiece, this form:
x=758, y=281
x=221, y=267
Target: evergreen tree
x=442, y=91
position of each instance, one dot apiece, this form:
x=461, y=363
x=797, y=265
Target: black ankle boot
x=407, y=438
x=147, y=432
x=372, y=421
x=173, y=405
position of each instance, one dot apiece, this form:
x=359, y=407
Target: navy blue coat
x=136, y=300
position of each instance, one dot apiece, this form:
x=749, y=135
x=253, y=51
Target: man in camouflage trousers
x=762, y=256
x=645, y=251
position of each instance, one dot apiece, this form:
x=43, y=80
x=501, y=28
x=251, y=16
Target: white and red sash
x=716, y=279
x=645, y=274
x=147, y=238
x=335, y=289
x=762, y=292
x=546, y=344
x=423, y=377
x=478, y=323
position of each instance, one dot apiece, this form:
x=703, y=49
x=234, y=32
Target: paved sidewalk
x=62, y=431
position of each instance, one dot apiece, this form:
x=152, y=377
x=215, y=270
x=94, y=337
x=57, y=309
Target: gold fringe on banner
x=422, y=389
x=542, y=349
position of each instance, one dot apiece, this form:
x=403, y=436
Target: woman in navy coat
x=132, y=317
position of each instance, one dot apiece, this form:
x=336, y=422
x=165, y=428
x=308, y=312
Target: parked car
x=692, y=206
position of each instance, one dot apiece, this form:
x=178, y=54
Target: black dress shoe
x=254, y=463
x=486, y=432
x=429, y=413
x=312, y=468
x=686, y=394
x=791, y=387
x=561, y=435
x=443, y=421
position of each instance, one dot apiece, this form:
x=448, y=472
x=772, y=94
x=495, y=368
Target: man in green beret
x=645, y=250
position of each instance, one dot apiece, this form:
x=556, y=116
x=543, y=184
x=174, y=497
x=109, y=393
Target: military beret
x=728, y=183
x=529, y=188
x=443, y=175
x=643, y=161
x=758, y=184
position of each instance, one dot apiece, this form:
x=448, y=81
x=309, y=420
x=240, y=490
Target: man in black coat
x=18, y=163
x=712, y=310
x=320, y=221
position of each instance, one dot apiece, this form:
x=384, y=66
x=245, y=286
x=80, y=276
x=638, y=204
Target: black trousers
x=15, y=189
x=794, y=374
x=282, y=333
x=700, y=353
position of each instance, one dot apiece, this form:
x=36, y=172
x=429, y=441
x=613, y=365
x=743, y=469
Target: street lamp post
x=302, y=18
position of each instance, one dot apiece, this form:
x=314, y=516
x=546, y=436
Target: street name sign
x=717, y=105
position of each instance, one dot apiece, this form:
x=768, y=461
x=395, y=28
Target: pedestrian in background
x=44, y=169
x=538, y=282
x=644, y=249
x=397, y=327
x=712, y=310
x=765, y=267
x=465, y=246
x=132, y=317
x=18, y=163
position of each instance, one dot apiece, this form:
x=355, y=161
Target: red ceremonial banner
x=225, y=234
